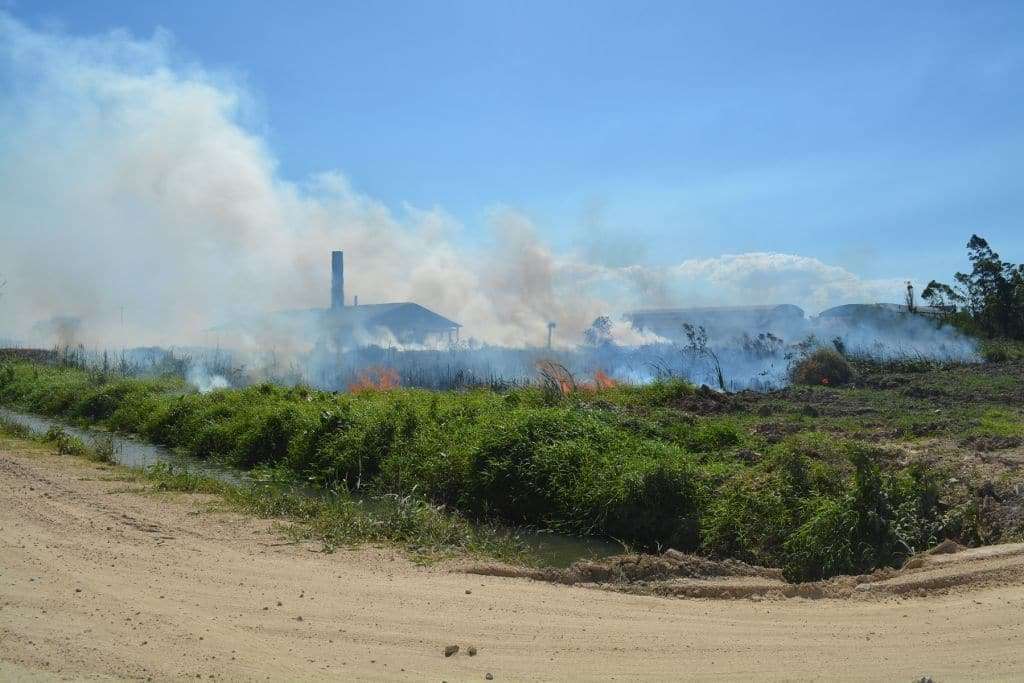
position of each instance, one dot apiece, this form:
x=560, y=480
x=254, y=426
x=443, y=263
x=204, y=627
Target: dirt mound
x=707, y=401
x=630, y=569
x=676, y=574
x=993, y=443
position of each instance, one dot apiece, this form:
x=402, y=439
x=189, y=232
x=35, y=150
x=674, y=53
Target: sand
x=101, y=580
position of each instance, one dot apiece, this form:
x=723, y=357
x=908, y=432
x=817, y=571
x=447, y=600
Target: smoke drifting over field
x=138, y=199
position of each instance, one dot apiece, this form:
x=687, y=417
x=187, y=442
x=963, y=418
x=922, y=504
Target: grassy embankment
x=428, y=531
x=817, y=480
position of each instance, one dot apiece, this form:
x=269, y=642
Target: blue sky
x=874, y=136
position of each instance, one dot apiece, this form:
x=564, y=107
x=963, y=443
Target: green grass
x=804, y=484
x=999, y=423
x=431, y=532
x=1002, y=350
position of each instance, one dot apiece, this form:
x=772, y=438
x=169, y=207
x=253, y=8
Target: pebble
x=471, y=650
x=489, y=676
x=450, y=650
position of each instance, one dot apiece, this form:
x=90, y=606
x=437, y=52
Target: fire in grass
x=556, y=377
x=375, y=379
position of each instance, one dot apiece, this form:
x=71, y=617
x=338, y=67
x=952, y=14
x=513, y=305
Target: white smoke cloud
x=135, y=196
x=771, y=278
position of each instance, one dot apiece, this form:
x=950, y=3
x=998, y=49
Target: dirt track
x=100, y=580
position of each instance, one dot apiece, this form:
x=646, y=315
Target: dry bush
x=823, y=367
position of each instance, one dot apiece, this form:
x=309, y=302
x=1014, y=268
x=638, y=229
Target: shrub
x=65, y=443
x=658, y=506
x=858, y=531
x=823, y=367
x=1001, y=350
x=996, y=354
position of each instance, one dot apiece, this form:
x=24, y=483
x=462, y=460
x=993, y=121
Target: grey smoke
x=140, y=203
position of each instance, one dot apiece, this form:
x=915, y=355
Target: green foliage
x=989, y=300
x=65, y=443
x=1001, y=423
x=624, y=463
x=880, y=520
x=1002, y=350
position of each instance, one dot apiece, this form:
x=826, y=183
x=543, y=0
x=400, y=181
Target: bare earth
x=101, y=580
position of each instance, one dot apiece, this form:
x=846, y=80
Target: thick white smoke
x=134, y=196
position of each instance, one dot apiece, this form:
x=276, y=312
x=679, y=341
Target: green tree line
x=989, y=300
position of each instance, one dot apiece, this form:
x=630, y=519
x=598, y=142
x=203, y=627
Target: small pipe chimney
x=337, y=279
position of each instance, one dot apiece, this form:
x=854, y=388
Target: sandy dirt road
x=100, y=580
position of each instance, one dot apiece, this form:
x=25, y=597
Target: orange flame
x=603, y=381
x=557, y=375
x=375, y=379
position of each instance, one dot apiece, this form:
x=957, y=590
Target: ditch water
x=128, y=452
x=553, y=549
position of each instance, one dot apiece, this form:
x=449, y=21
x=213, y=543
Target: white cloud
x=761, y=277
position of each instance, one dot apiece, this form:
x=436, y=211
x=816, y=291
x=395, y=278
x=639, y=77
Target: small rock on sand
x=471, y=650
x=450, y=650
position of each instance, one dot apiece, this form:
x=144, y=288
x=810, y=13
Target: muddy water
x=552, y=549
x=127, y=451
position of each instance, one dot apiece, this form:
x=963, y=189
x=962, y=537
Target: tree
x=600, y=331
x=991, y=295
x=942, y=296
x=697, y=346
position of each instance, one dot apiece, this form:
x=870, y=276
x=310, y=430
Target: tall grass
x=618, y=462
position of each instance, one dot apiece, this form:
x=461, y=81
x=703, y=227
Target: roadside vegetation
x=818, y=480
x=428, y=532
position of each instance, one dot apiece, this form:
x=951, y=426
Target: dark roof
x=875, y=310
x=711, y=311
x=397, y=317
x=402, y=315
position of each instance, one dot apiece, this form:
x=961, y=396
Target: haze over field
x=139, y=191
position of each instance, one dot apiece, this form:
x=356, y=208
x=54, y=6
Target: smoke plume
x=138, y=199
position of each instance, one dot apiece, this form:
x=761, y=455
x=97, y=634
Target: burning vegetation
x=375, y=379
x=860, y=446
x=817, y=480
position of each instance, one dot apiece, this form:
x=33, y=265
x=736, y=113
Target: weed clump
x=824, y=367
x=65, y=443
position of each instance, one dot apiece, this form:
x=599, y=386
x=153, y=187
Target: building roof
x=397, y=317
x=711, y=311
x=875, y=310
x=405, y=314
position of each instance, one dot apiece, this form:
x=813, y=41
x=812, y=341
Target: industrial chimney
x=337, y=279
